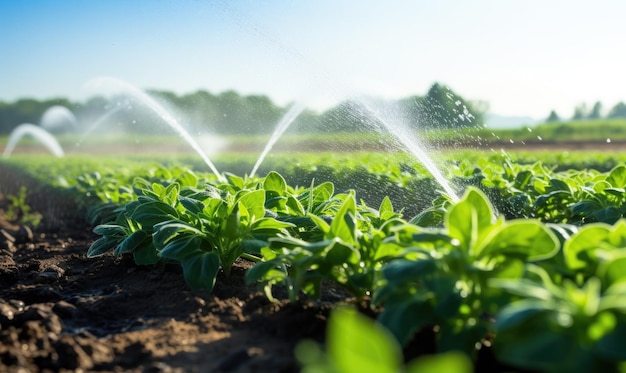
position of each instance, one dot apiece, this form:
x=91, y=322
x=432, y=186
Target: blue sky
x=523, y=58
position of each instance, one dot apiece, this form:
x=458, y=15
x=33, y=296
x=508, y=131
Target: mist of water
x=409, y=140
x=152, y=104
x=36, y=132
x=97, y=123
x=284, y=123
x=58, y=118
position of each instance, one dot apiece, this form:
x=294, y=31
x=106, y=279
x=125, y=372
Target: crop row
x=528, y=259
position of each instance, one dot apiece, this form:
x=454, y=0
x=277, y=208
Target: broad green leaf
x=269, y=225
x=102, y=245
x=151, y=213
x=145, y=254
x=357, y=344
x=407, y=315
x=110, y=230
x=580, y=248
x=134, y=241
x=275, y=182
x=617, y=177
x=258, y=271
x=453, y=362
x=385, y=210
x=470, y=219
x=613, y=271
x=406, y=271
x=192, y=206
x=171, y=193
x=168, y=230
x=182, y=247
x=254, y=202
x=201, y=270
x=340, y=253
x=343, y=225
x=235, y=181
x=294, y=206
x=521, y=238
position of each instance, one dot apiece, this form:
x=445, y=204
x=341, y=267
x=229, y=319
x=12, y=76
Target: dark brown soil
x=60, y=311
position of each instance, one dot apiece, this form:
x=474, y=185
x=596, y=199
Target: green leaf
x=385, y=211
x=193, y=206
x=201, y=270
x=275, y=182
x=254, y=202
x=357, y=344
x=613, y=271
x=182, y=247
x=110, y=230
x=579, y=250
x=258, y=271
x=153, y=212
x=456, y=362
x=102, y=245
x=145, y=254
x=529, y=239
x=269, y=225
x=343, y=225
x=134, y=241
x=407, y=315
x=470, y=219
x=617, y=177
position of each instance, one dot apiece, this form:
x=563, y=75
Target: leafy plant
x=566, y=327
x=18, y=210
x=441, y=276
x=348, y=254
x=357, y=344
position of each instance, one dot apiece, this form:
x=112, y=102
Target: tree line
x=232, y=113
x=582, y=111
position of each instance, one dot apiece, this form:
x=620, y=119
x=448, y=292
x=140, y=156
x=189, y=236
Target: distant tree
x=553, y=117
x=348, y=116
x=580, y=112
x=443, y=108
x=596, y=111
x=618, y=111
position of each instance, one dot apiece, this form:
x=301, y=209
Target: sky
x=524, y=58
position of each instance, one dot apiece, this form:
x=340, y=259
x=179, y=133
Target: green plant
x=348, y=254
x=440, y=277
x=18, y=210
x=357, y=344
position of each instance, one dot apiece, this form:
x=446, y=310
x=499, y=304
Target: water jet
x=36, y=132
x=152, y=104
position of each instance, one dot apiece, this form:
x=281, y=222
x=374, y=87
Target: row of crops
x=530, y=260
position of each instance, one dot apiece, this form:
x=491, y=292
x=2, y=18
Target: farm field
x=101, y=270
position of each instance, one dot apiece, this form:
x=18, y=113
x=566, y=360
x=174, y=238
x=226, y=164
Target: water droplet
x=608, y=140
x=511, y=141
x=529, y=129
x=134, y=121
x=457, y=102
x=539, y=138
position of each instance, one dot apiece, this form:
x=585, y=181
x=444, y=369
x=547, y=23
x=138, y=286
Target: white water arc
x=407, y=138
x=149, y=102
x=58, y=118
x=284, y=123
x=36, y=132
